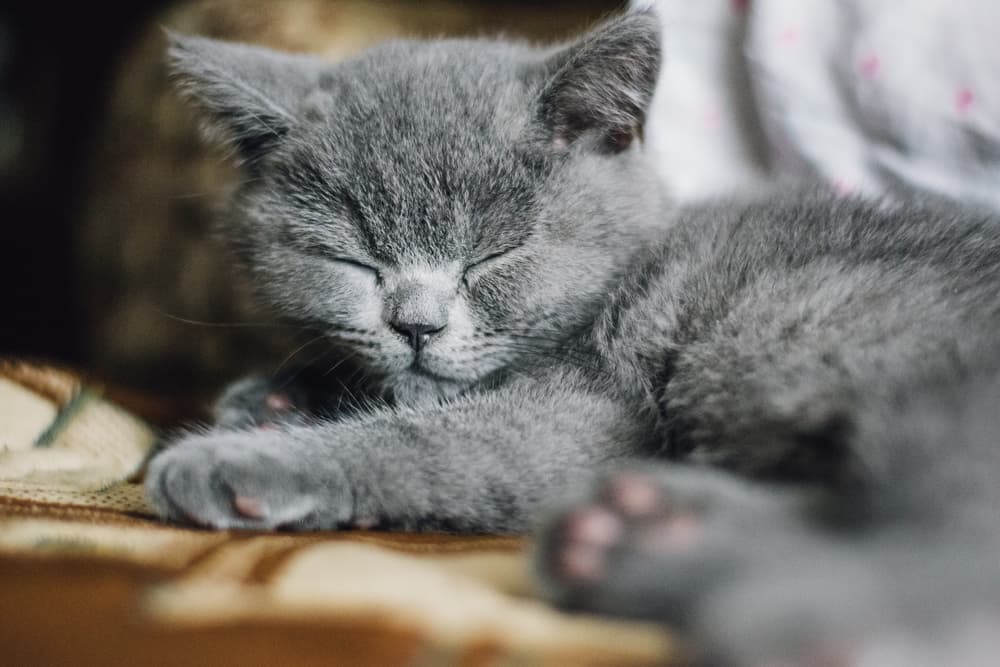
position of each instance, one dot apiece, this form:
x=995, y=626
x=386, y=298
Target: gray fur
x=496, y=195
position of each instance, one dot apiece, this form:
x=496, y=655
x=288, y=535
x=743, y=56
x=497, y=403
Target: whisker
x=301, y=369
x=345, y=358
x=233, y=325
x=296, y=351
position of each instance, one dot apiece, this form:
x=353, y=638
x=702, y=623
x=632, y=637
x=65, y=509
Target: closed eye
x=359, y=265
x=482, y=263
x=320, y=249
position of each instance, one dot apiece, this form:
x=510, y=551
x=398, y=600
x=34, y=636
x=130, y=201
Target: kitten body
x=475, y=226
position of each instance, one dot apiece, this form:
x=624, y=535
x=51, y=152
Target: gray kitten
x=476, y=227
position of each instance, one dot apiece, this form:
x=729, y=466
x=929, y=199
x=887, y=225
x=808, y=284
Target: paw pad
x=249, y=507
x=630, y=513
x=278, y=401
x=634, y=494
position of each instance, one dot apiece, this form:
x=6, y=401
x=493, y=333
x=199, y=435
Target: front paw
x=248, y=480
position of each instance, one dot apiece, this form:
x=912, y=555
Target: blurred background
x=107, y=195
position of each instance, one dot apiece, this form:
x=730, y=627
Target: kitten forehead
x=478, y=77
x=435, y=153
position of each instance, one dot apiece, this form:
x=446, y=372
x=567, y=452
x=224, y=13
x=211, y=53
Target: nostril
x=417, y=333
x=422, y=329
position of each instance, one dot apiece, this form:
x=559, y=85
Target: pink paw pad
x=278, y=402
x=588, y=532
x=582, y=561
x=680, y=532
x=249, y=507
x=595, y=526
x=634, y=494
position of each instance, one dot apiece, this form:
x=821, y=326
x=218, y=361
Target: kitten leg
x=854, y=607
x=481, y=462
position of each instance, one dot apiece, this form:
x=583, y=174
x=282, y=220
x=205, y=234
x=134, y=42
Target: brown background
x=107, y=193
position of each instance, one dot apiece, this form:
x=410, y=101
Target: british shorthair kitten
x=784, y=414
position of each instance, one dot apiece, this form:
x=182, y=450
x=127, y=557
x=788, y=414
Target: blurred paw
x=749, y=583
x=653, y=545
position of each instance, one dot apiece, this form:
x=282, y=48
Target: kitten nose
x=417, y=333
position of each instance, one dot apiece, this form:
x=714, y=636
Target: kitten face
x=441, y=209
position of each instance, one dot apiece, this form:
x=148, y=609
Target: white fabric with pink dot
x=868, y=95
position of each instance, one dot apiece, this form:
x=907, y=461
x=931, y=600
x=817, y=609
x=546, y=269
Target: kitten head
x=442, y=209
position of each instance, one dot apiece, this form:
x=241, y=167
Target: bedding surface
x=90, y=577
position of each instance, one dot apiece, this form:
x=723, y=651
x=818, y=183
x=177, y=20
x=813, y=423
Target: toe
x=582, y=562
x=634, y=494
x=593, y=525
x=586, y=534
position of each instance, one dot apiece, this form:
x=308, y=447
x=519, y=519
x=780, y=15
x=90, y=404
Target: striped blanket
x=90, y=577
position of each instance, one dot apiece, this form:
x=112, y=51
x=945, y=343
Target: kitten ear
x=249, y=95
x=604, y=82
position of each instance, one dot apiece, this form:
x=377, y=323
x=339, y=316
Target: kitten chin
x=411, y=388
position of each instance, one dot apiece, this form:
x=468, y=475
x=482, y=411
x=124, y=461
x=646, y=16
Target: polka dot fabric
x=871, y=96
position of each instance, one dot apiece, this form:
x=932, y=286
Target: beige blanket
x=90, y=577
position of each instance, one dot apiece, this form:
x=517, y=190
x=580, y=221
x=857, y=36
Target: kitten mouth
x=418, y=368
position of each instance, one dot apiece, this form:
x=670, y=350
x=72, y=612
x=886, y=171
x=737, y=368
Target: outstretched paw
x=248, y=480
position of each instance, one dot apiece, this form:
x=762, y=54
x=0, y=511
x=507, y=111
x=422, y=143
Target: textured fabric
x=91, y=578
x=82, y=447
x=869, y=95
x=702, y=123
